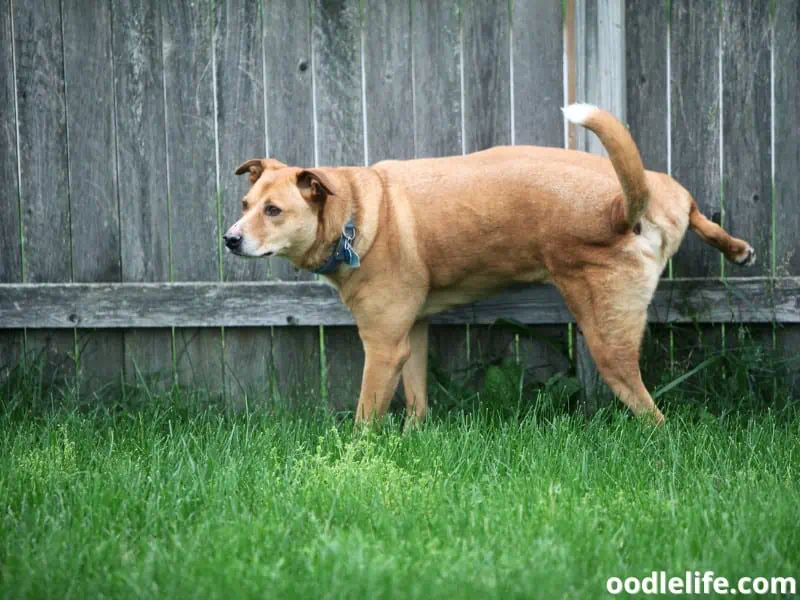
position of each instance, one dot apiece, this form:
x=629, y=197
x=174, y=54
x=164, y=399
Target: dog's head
x=285, y=211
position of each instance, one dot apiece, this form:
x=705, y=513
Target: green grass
x=160, y=499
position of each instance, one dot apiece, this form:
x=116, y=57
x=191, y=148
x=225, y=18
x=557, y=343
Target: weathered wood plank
x=537, y=54
x=292, y=304
x=44, y=164
x=10, y=241
x=241, y=126
x=42, y=141
x=695, y=124
x=142, y=162
x=646, y=25
x=786, y=50
x=192, y=169
x=746, y=147
x=436, y=50
x=438, y=119
x=538, y=85
x=695, y=138
x=487, y=93
x=600, y=61
x=486, y=28
x=337, y=28
x=290, y=135
x=95, y=229
x=646, y=72
x=337, y=50
x=746, y=151
x=388, y=81
x=11, y=342
x=344, y=365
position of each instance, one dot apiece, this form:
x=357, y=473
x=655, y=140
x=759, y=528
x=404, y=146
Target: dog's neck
x=352, y=203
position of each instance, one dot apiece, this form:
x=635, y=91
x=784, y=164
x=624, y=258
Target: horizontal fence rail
x=277, y=304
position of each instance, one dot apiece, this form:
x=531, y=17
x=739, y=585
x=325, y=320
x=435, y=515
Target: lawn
x=164, y=500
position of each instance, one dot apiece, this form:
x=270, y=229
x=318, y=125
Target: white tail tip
x=579, y=113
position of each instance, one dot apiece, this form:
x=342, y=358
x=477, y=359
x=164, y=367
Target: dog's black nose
x=232, y=241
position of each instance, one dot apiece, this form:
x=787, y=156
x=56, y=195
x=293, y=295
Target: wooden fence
x=121, y=122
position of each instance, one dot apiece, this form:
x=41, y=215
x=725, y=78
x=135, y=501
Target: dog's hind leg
x=613, y=323
x=415, y=373
x=735, y=250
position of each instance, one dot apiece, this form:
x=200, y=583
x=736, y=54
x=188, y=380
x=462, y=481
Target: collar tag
x=349, y=254
x=344, y=253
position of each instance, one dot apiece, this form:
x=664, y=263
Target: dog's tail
x=624, y=156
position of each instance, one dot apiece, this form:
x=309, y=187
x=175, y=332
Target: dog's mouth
x=238, y=252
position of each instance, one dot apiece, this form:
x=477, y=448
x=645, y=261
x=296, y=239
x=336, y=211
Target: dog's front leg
x=384, y=319
x=384, y=358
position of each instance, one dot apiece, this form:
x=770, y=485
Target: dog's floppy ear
x=257, y=166
x=315, y=185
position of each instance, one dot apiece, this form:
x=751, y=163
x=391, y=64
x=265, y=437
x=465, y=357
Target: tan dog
x=434, y=233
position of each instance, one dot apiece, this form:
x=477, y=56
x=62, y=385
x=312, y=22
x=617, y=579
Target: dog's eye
x=272, y=210
x=244, y=204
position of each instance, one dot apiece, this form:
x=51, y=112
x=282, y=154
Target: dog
x=402, y=240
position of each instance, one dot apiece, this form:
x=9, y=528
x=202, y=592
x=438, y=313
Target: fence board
x=646, y=75
x=290, y=134
x=142, y=160
x=388, y=83
x=695, y=125
x=646, y=51
x=746, y=156
x=89, y=85
x=538, y=73
x=746, y=151
x=238, y=35
x=696, y=147
x=487, y=100
x=600, y=68
x=340, y=141
x=292, y=304
x=44, y=178
x=191, y=157
x=487, y=114
x=538, y=88
x=786, y=48
x=11, y=342
x=436, y=50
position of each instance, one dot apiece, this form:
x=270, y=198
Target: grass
x=159, y=498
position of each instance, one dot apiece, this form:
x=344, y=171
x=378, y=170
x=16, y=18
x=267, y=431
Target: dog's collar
x=344, y=253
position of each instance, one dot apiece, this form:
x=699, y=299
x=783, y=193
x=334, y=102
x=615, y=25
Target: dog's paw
x=746, y=258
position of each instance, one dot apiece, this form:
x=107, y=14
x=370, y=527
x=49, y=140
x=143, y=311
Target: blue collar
x=344, y=253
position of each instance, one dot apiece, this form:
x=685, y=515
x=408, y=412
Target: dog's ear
x=328, y=197
x=257, y=166
x=315, y=185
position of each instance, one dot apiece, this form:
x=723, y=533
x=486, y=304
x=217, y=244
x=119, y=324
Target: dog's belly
x=473, y=289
